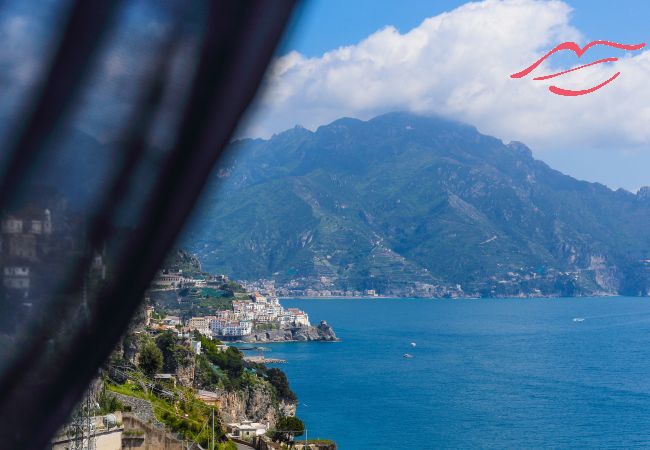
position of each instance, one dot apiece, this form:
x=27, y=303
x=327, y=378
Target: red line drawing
x=579, y=52
x=546, y=77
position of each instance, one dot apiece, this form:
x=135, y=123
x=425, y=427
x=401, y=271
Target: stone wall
x=140, y=408
x=152, y=437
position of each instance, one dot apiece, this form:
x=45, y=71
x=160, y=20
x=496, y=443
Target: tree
x=230, y=361
x=166, y=342
x=279, y=381
x=286, y=429
x=151, y=359
x=175, y=354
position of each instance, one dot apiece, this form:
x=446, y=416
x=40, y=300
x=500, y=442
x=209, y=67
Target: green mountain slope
x=411, y=205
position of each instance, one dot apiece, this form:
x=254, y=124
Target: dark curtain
x=89, y=211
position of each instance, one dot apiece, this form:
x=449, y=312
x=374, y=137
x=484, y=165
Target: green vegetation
x=181, y=260
x=266, y=327
x=215, y=369
x=151, y=359
x=231, y=361
x=184, y=414
x=198, y=301
x=287, y=429
x=133, y=433
x=207, y=292
x=173, y=352
x=218, y=368
x=233, y=287
x=279, y=381
x=226, y=446
x=109, y=403
x=208, y=305
x=189, y=301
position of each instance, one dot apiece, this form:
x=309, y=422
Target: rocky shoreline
x=322, y=332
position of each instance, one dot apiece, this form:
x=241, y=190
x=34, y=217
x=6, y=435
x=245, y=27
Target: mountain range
x=411, y=205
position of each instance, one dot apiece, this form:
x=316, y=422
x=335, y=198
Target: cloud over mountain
x=458, y=64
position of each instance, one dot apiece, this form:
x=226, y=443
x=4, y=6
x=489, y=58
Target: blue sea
x=495, y=373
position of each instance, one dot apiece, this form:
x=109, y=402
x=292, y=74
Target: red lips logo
x=579, y=52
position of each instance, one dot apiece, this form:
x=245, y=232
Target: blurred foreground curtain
x=113, y=114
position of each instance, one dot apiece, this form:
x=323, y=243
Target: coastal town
x=512, y=282
x=238, y=312
x=328, y=287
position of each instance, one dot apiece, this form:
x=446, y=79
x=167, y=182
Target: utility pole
x=212, y=428
x=81, y=427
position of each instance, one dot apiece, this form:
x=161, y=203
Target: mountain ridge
x=409, y=205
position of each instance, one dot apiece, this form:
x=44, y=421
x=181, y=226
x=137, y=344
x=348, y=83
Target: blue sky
x=325, y=25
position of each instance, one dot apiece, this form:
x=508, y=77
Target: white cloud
x=458, y=64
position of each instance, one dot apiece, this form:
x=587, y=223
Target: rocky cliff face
x=326, y=332
x=322, y=332
x=185, y=373
x=255, y=403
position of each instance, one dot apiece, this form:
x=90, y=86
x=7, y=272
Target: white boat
x=578, y=319
x=407, y=355
x=413, y=344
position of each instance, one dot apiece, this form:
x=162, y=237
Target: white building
x=298, y=318
x=246, y=429
x=245, y=314
x=223, y=328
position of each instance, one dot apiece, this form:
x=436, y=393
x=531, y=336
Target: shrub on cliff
x=206, y=375
x=151, y=359
x=175, y=353
x=280, y=383
x=230, y=361
x=286, y=429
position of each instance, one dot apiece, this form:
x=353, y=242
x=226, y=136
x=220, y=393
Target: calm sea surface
x=484, y=373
